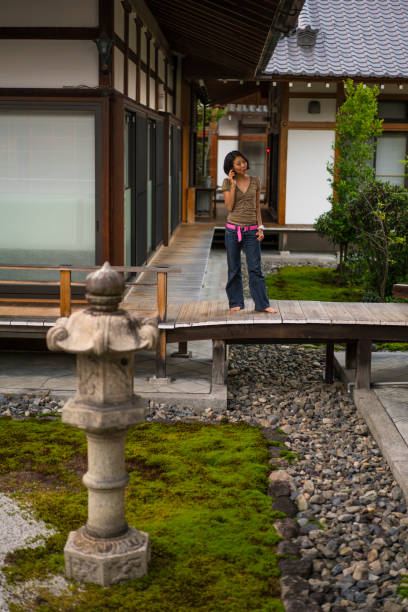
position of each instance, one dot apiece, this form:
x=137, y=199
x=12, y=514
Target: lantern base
x=106, y=561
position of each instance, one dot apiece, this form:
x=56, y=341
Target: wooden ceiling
x=224, y=38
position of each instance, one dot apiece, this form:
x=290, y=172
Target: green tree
x=380, y=218
x=357, y=127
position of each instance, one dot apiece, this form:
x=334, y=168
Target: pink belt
x=240, y=228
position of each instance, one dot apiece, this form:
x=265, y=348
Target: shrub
x=380, y=217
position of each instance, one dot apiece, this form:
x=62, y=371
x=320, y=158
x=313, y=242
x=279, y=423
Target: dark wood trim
x=395, y=127
x=166, y=81
x=105, y=181
x=49, y=94
x=148, y=35
x=126, y=8
x=253, y=137
x=228, y=138
x=313, y=94
x=387, y=96
x=283, y=153
x=134, y=57
x=287, y=78
x=49, y=33
x=156, y=78
x=166, y=192
x=175, y=63
x=106, y=17
x=139, y=25
x=116, y=212
x=132, y=105
x=288, y=332
x=311, y=125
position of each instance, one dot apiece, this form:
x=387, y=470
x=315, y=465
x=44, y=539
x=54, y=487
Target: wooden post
x=329, y=370
x=351, y=354
x=182, y=347
x=219, y=369
x=162, y=308
x=65, y=293
x=363, y=370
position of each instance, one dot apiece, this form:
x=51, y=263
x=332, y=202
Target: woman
x=244, y=228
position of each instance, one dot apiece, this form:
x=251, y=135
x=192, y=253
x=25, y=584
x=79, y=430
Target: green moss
x=310, y=283
x=392, y=346
x=289, y=456
x=200, y=491
x=403, y=587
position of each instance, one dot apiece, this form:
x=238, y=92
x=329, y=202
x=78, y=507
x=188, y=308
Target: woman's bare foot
x=268, y=309
x=236, y=308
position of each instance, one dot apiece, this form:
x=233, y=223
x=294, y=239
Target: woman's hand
x=231, y=178
x=260, y=235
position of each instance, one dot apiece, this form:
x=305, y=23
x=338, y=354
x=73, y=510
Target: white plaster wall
x=119, y=19
x=49, y=63
x=118, y=69
x=48, y=13
x=169, y=103
x=228, y=127
x=307, y=186
x=298, y=109
x=132, y=80
x=224, y=147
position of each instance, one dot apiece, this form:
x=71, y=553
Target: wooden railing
x=65, y=283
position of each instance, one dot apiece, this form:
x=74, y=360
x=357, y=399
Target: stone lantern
x=104, y=338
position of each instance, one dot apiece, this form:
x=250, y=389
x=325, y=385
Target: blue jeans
x=252, y=249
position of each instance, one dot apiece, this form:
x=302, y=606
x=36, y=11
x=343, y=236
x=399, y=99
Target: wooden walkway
x=188, y=251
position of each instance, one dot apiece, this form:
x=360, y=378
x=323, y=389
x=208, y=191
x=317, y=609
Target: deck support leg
x=351, y=356
x=161, y=355
x=329, y=370
x=219, y=363
x=363, y=369
x=182, y=351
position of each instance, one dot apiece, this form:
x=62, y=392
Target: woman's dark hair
x=229, y=160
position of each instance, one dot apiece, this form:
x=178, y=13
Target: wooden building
x=96, y=102
x=302, y=85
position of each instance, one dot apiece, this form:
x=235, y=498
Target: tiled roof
x=357, y=38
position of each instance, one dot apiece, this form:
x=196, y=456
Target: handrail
x=65, y=282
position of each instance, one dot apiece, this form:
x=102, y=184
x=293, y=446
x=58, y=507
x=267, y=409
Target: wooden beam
x=363, y=369
x=351, y=356
x=156, y=77
x=65, y=293
x=49, y=33
x=311, y=125
x=166, y=190
x=219, y=365
x=329, y=369
x=148, y=39
x=139, y=25
x=117, y=160
x=127, y=9
x=283, y=153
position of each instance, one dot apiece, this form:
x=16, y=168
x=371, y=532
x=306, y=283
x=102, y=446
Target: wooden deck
x=188, y=251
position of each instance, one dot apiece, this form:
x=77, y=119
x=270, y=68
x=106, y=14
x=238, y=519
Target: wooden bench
x=356, y=325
